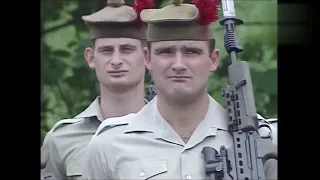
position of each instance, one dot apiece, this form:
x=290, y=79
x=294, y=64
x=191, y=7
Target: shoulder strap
x=65, y=122
x=113, y=122
x=272, y=120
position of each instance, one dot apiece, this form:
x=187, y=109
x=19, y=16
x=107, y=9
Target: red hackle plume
x=140, y=5
x=208, y=10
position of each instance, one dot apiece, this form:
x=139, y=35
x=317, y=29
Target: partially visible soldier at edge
x=165, y=138
x=117, y=57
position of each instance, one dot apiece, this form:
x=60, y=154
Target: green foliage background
x=68, y=85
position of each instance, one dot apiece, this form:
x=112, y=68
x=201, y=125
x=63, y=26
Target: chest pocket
x=74, y=163
x=143, y=169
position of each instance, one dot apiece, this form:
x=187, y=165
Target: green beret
x=178, y=21
x=115, y=20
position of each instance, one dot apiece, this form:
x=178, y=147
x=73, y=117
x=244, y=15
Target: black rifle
x=245, y=159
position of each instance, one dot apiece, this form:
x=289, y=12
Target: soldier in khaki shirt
x=165, y=138
x=117, y=57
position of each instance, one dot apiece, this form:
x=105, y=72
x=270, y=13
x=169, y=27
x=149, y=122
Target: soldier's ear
x=214, y=60
x=147, y=58
x=89, y=56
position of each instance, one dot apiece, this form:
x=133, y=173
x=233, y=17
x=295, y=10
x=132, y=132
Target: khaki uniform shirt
x=145, y=146
x=65, y=144
x=64, y=147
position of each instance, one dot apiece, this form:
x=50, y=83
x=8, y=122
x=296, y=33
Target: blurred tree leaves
x=68, y=85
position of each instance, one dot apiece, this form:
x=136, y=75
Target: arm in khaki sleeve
x=50, y=159
x=271, y=169
x=95, y=166
x=271, y=165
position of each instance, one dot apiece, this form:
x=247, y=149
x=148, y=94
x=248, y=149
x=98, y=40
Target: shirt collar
x=144, y=119
x=216, y=115
x=149, y=118
x=93, y=110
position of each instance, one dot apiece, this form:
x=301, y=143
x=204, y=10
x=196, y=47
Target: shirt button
x=141, y=173
x=188, y=177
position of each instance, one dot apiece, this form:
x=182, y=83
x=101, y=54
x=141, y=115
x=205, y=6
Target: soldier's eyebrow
x=192, y=48
x=128, y=46
x=159, y=49
x=105, y=47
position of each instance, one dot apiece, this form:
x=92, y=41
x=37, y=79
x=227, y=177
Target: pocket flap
x=143, y=169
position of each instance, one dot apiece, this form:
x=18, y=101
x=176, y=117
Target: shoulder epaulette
x=113, y=122
x=272, y=120
x=65, y=122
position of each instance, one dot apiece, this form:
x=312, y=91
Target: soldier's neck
x=115, y=104
x=184, y=118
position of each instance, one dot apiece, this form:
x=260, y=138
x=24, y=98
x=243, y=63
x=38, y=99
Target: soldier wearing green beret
x=165, y=138
x=116, y=56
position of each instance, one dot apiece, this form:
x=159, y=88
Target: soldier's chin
x=182, y=97
x=119, y=81
x=120, y=86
